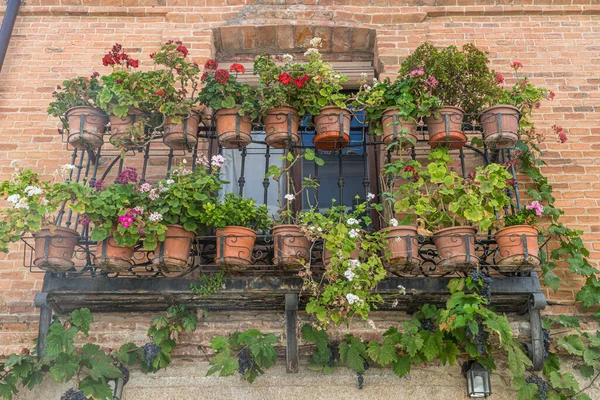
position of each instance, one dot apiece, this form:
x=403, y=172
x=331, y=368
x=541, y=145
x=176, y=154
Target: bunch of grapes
x=543, y=387
x=361, y=376
x=334, y=347
x=245, y=360
x=484, y=284
x=546, y=334
x=427, y=324
x=150, y=351
x=479, y=339
x=73, y=394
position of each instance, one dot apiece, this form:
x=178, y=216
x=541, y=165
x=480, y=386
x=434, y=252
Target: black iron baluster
x=145, y=164
x=266, y=178
x=120, y=168
x=341, y=182
x=77, y=177
x=169, y=163
x=195, y=156
x=317, y=182
x=366, y=181
x=87, y=170
x=516, y=184
x=242, y=178
x=463, y=167
x=61, y=211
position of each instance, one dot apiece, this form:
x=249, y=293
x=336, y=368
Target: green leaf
x=572, y=343
x=64, y=369
x=449, y=352
x=587, y=371
x=82, y=319
x=383, y=354
x=402, y=366
x=564, y=381
x=33, y=380
x=433, y=346
x=527, y=392
x=103, y=368
x=352, y=353
x=59, y=340
x=126, y=355
x=412, y=343
x=100, y=390
x=551, y=364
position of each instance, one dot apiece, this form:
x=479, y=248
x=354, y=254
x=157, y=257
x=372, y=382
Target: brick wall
x=556, y=40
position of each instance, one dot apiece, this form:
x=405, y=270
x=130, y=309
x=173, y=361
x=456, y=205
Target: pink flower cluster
x=562, y=135
x=130, y=217
x=128, y=175
x=416, y=72
x=537, y=207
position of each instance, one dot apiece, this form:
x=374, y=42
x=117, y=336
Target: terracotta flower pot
x=86, y=127
x=281, y=127
x=54, y=248
x=332, y=128
x=500, y=126
x=121, y=128
x=517, y=248
x=456, y=248
x=403, y=247
x=327, y=254
x=447, y=129
x=114, y=258
x=233, y=130
x=234, y=247
x=174, y=253
x=397, y=129
x=291, y=247
x=182, y=136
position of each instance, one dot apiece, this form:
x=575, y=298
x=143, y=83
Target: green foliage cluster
x=235, y=210
x=240, y=346
x=80, y=91
x=208, y=284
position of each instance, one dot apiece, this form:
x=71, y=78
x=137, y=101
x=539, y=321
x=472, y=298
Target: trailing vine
x=208, y=284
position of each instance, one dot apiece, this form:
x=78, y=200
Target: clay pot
x=447, y=129
x=54, y=248
x=500, y=126
x=86, y=127
x=184, y=135
x=396, y=129
x=451, y=244
x=281, y=127
x=233, y=130
x=327, y=254
x=517, y=248
x=332, y=128
x=114, y=258
x=174, y=253
x=403, y=247
x=234, y=247
x=290, y=246
x=120, y=128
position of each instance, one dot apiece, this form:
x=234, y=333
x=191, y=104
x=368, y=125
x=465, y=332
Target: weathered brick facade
x=558, y=42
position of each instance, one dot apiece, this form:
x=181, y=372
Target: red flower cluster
x=152, y=55
x=551, y=95
x=499, y=78
x=183, y=50
x=516, y=65
x=237, y=68
x=510, y=182
x=222, y=76
x=211, y=65
x=160, y=92
x=301, y=81
x=117, y=56
x=562, y=135
x=203, y=77
x=285, y=78
x=410, y=168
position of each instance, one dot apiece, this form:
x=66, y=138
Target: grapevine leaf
x=432, y=346
x=551, y=364
x=383, y=354
x=449, y=353
x=219, y=343
x=587, y=371
x=103, y=368
x=33, y=380
x=6, y=391
x=568, y=321
x=100, y=390
x=564, y=381
x=527, y=392
x=401, y=367
x=412, y=344
x=64, y=369
x=82, y=319
x=572, y=343
x=125, y=355
x=352, y=353
x=582, y=396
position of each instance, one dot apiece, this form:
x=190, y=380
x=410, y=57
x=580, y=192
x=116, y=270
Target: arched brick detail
x=340, y=43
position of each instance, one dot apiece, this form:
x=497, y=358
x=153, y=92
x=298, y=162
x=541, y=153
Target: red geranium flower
x=499, y=78
x=299, y=82
x=285, y=78
x=551, y=95
x=211, y=65
x=160, y=92
x=183, y=50
x=152, y=55
x=132, y=63
x=203, y=77
x=222, y=76
x=237, y=68
x=516, y=65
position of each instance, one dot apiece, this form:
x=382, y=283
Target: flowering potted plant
x=446, y=203
x=176, y=95
x=463, y=84
x=76, y=100
x=291, y=246
x=282, y=92
x=124, y=96
x=176, y=203
x=233, y=103
x=119, y=222
x=327, y=103
x=353, y=264
x=518, y=240
x=32, y=208
x=510, y=108
x=236, y=220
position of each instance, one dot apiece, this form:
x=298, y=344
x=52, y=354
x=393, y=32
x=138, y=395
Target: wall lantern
x=478, y=379
x=118, y=384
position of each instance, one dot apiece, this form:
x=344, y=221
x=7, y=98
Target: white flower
x=393, y=222
x=319, y=229
x=371, y=324
x=13, y=199
x=289, y=197
x=139, y=210
x=184, y=161
x=185, y=171
x=316, y=42
x=155, y=217
x=153, y=194
x=349, y=274
x=65, y=169
x=352, y=221
x=22, y=203
x=217, y=161
x=370, y=196
x=363, y=76
x=15, y=163
x=145, y=187
x=354, y=233
x=33, y=190
x=367, y=88
x=337, y=76
x=287, y=58
x=44, y=202
x=169, y=181
x=202, y=160
x=311, y=51
x=375, y=81
x=352, y=298
x=354, y=263
x=402, y=289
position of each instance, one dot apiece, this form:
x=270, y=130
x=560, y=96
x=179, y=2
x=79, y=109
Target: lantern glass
x=478, y=381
